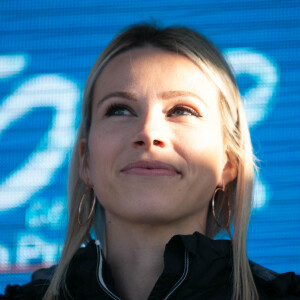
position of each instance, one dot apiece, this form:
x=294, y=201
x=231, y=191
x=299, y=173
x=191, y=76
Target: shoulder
x=262, y=272
x=40, y=279
x=275, y=285
x=33, y=290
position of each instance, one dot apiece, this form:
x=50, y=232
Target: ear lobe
x=229, y=172
x=84, y=166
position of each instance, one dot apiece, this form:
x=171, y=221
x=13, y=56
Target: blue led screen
x=46, y=51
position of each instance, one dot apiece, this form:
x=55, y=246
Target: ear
x=84, y=171
x=229, y=172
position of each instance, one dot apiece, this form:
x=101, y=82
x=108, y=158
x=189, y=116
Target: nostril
x=140, y=143
x=157, y=143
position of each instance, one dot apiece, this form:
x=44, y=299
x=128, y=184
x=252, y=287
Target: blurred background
x=46, y=51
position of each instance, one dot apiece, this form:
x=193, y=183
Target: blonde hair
x=236, y=137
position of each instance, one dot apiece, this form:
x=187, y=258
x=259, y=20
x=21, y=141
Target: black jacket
x=196, y=268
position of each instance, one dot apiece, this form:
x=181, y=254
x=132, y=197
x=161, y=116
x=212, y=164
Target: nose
x=148, y=142
x=151, y=133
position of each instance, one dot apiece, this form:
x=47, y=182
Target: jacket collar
x=199, y=244
x=185, y=255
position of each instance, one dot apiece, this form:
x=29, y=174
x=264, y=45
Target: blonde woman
x=162, y=163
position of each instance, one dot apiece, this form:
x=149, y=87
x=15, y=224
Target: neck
x=135, y=253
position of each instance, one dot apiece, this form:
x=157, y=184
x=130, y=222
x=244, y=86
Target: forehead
x=149, y=68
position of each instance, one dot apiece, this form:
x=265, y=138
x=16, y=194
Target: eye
x=119, y=110
x=183, y=111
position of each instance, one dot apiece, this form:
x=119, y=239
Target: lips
x=150, y=168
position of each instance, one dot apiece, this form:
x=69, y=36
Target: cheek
x=202, y=147
x=104, y=147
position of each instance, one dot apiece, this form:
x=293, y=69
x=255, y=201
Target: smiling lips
x=150, y=168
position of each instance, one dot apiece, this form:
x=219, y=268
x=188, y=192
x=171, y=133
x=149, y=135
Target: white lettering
x=32, y=248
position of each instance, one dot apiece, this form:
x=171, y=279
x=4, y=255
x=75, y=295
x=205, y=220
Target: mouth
x=150, y=168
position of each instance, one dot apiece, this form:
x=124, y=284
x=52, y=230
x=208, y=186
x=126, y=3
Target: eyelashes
x=181, y=110
x=125, y=110
x=119, y=110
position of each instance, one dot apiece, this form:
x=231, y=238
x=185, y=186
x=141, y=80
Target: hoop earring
x=214, y=213
x=80, y=207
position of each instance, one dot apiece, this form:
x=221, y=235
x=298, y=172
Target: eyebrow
x=165, y=95
x=125, y=95
x=174, y=94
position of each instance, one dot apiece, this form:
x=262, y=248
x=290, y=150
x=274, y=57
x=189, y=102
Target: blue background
x=46, y=51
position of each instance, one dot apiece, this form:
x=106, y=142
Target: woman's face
x=155, y=149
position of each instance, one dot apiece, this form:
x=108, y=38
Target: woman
x=163, y=162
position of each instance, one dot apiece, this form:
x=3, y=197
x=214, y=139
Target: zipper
x=183, y=276
x=113, y=296
x=100, y=277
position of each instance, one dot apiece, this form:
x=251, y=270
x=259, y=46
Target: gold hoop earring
x=80, y=207
x=214, y=213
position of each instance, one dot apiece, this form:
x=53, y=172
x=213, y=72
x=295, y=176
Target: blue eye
x=183, y=111
x=118, y=110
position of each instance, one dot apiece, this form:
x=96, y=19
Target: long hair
x=236, y=139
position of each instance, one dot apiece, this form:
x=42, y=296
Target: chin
x=152, y=219
x=154, y=213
